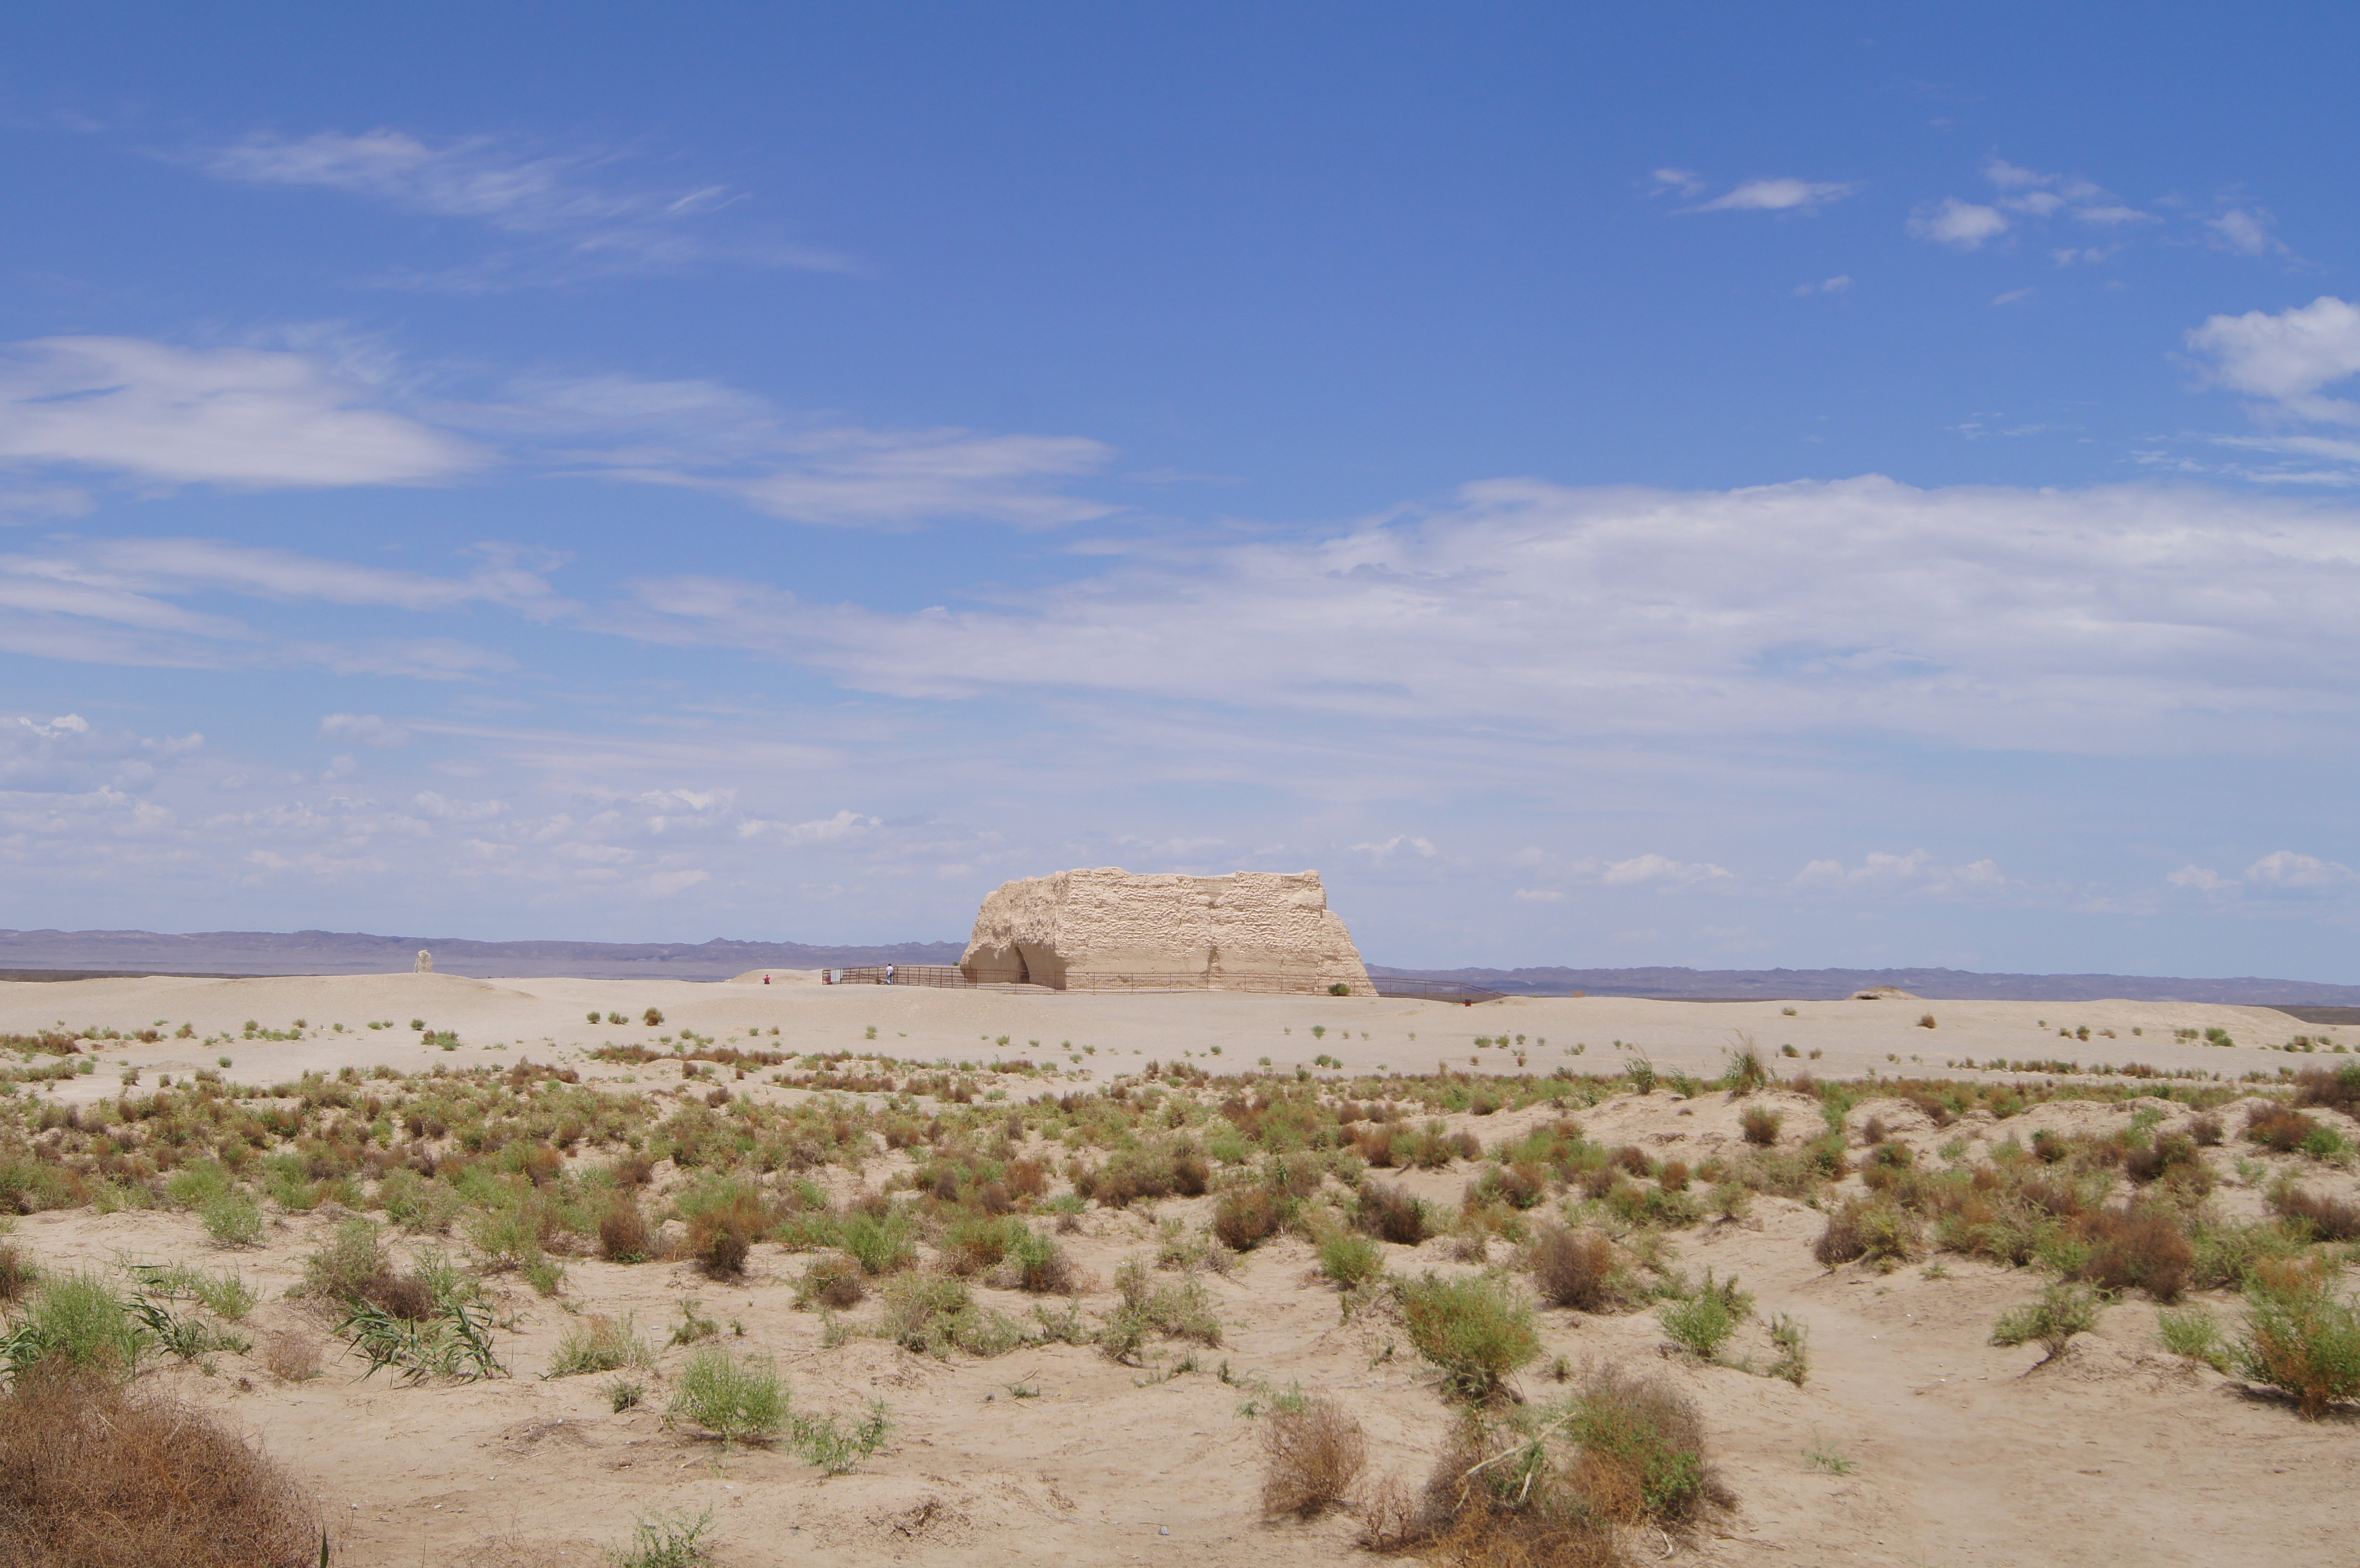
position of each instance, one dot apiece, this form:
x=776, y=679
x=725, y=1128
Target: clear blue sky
x=1728, y=485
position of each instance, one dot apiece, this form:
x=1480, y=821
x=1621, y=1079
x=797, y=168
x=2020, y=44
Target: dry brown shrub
x=2336, y=1089
x=623, y=1236
x=1674, y=1176
x=835, y=1282
x=1026, y=1179
x=1311, y=1458
x=1190, y=1173
x=1390, y=1516
x=2143, y=1246
x=2329, y=1219
x=1390, y=1214
x=2206, y=1130
x=1632, y=1158
x=1760, y=1125
x=404, y=1296
x=2276, y=1126
x=1245, y=1217
x=92, y=1476
x=1574, y=1270
x=1873, y=1131
x=15, y=1272
x=291, y=1355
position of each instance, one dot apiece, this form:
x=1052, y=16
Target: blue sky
x=1680, y=483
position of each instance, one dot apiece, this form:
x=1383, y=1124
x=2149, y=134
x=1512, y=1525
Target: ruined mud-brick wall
x=1074, y=926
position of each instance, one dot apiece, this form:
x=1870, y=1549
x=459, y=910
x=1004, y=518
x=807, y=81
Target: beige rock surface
x=1074, y=928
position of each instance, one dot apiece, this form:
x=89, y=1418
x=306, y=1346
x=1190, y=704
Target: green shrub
x=1647, y=1438
x=2062, y=1311
x=819, y=1441
x=1702, y=1325
x=883, y=1243
x=232, y=1218
x=730, y=1398
x=2300, y=1337
x=1471, y=1329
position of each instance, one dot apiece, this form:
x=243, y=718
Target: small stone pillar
x=425, y=965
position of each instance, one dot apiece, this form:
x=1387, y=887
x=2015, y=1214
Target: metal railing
x=947, y=976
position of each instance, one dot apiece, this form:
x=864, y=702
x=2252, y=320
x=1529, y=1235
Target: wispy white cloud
x=1963, y=224
x=1916, y=873
x=2283, y=871
x=346, y=414
x=1661, y=869
x=1783, y=195
x=1840, y=284
x=369, y=729
x=2243, y=230
x=2022, y=194
x=563, y=198
x=234, y=417
x=900, y=479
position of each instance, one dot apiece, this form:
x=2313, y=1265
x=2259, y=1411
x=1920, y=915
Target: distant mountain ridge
x=352, y=952
x=1935, y=985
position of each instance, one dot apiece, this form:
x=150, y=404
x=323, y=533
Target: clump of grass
x=1760, y=1125
x=2063, y=1311
x=667, y=1540
x=92, y=1476
x=1312, y=1455
x=736, y=1399
x=1877, y=1228
x=601, y=1344
x=1574, y=1269
x=78, y=1323
x=1180, y=1310
x=2194, y=1333
x=1349, y=1259
x=1471, y=1329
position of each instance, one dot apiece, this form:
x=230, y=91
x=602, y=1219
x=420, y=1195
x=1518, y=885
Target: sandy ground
x=545, y=1020
x=1959, y=1453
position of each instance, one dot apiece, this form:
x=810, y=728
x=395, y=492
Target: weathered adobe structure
x=1112, y=930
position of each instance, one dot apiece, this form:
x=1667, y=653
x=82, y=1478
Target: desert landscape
x=568, y=1271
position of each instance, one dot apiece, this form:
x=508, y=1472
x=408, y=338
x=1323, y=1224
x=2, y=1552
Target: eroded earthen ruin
x=1110, y=929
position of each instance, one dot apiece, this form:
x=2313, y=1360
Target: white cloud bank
x=2128, y=618
x=2289, y=357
